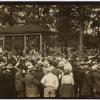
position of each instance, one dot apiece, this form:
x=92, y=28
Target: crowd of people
x=32, y=75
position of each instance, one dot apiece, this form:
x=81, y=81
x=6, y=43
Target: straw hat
x=29, y=65
x=66, y=68
x=45, y=63
x=9, y=66
x=13, y=52
x=94, y=67
x=1, y=51
x=61, y=63
x=82, y=62
x=49, y=69
x=94, y=62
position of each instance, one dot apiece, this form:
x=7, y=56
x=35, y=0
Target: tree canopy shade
x=67, y=20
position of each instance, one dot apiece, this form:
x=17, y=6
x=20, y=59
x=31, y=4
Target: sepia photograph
x=49, y=50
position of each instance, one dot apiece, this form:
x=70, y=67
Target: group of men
x=52, y=76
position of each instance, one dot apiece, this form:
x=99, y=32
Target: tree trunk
x=81, y=42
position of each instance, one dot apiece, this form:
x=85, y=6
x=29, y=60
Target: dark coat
x=1, y=84
x=19, y=81
x=96, y=82
x=66, y=90
x=8, y=84
x=78, y=75
x=12, y=60
x=56, y=72
x=39, y=75
x=91, y=86
x=87, y=89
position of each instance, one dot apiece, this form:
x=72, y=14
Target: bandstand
x=19, y=37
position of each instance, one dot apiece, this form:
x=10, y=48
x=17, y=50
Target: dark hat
x=13, y=52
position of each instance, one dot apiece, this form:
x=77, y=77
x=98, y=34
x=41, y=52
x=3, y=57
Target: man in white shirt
x=50, y=82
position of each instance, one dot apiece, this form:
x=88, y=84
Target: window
x=14, y=43
x=32, y=42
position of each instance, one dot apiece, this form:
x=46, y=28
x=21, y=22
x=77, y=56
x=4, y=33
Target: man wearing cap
x=96, y=81
x=78, y=74
x=50, y=82
x=20, y=83
x=87, y=88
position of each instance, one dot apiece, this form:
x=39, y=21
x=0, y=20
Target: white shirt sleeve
x=43, y=81
x=57, y=83
x=72, y=80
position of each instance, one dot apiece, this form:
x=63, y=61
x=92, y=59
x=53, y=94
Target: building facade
x=22, y=37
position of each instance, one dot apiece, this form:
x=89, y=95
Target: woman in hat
x=31, y=83
x=67, y=83
x=45, y=66
x=20, y=83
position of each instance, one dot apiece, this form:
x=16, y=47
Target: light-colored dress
x=66, y=88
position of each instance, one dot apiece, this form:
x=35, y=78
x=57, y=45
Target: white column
x=45, y=49
x=41, y=44
x=25, y=44
x=45, y=46
x=3, y=43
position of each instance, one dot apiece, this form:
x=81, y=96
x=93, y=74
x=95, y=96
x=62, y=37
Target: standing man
x=50, y=82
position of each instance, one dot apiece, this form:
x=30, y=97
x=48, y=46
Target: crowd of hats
x=48, y=62
x=35, y=61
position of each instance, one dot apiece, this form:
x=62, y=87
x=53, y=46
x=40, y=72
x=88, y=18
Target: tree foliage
x=67, y=20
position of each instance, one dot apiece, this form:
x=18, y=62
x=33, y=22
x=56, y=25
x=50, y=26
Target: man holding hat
x=50, y=82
